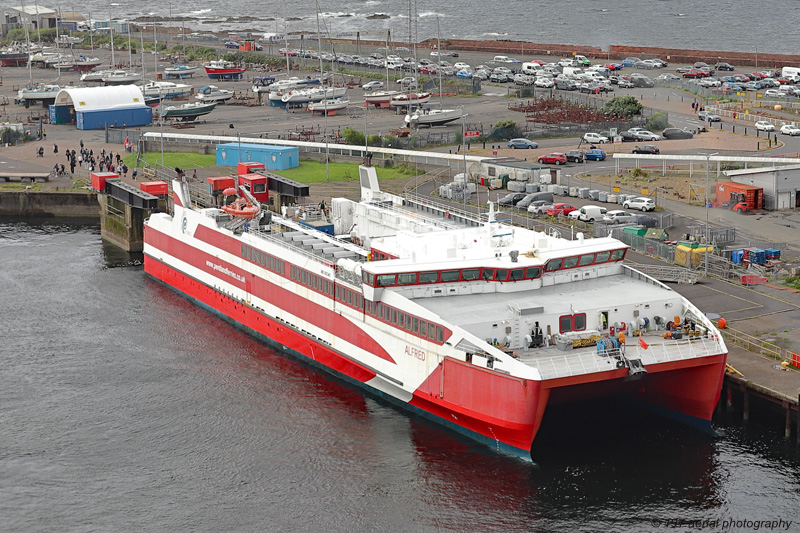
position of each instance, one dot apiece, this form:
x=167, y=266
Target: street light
x=708, y=162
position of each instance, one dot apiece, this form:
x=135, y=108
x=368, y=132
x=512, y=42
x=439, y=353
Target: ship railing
x=587, y=361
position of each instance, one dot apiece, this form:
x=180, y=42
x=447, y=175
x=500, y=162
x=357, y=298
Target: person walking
x=55, y=148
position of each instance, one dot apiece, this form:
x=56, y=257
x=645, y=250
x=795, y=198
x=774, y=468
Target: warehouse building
x=95, y=108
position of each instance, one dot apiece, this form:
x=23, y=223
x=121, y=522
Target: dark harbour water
x=125, y=408
x=740, y=25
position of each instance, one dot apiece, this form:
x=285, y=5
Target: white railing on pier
x=587, y=361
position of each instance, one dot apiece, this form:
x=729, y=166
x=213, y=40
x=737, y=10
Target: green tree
x=623, y=107
x=353, y=136
x=658, y=122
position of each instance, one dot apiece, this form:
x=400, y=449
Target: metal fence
x=756, y=345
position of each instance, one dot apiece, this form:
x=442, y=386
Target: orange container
x=249, y=166
x=156, y=188
x=99, y=180
x=220, y=183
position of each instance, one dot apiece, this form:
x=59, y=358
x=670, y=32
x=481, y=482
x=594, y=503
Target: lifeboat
x=241, y=208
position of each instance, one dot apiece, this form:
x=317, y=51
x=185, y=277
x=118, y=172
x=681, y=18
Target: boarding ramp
x=668, y=273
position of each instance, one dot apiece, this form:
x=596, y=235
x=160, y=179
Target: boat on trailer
x=465, y=319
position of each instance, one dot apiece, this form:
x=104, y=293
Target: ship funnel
x=513, y=254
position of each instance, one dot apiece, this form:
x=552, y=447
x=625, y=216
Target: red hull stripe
x=320, y=316
x=257, y=322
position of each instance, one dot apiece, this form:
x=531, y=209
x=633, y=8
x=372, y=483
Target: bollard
x=733, y=128
x=484, y=145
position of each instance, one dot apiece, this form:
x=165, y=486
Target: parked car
x=630, y=61
x=594, y=138
x=618, y=216
x=555, y=158
x=708, y=116
x=574, y=215
x=666, y=77
x=372, y=85
x=498, y=77
x=763, y=125
x=642, y=203
x=464, y=73
x=640, y=80
x=644, y=135
x=677, y=133
x=590, y=213
x=511, y=198
x=595, y=154
x=723, y=66
x=646, y=149
x=231, y=44
x=575, y=156
x=790, y=129
x=646, y=221
x=539, y=207
x=561, y=209
x=543, y=83
x=522, y=143
x=625, y=84
x=528, y=200
x=627, y=136
x=775, y=93
x=644, y=64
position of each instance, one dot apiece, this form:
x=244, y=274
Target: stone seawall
x=49, y=204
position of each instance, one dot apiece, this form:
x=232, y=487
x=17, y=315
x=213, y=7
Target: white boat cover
x=94, y=98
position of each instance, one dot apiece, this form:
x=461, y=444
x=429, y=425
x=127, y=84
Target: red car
x=556, y=158
x=561, y=209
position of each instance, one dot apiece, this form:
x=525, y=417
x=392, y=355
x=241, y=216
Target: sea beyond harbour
x=732, y=25
x=127, y=408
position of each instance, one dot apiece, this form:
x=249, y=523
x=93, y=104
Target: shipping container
x=114, y=118
x=218, y=184
x=99, y=180
x=247, y=167
x=156, y=188
x=273, y=157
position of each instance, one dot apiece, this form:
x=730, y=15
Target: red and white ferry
x=474, y=323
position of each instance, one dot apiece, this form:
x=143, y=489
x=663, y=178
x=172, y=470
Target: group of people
x=88, y=160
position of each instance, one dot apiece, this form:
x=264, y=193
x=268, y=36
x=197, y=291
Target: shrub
x=658, y=122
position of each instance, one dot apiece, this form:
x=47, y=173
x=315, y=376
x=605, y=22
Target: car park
x=555, y=158
x=575, y=156
x=642, y=203
x=763, y=125
x=511, y=198
x=592, y=138
x=790, y=129
x=522, y=143
x=677, y=133
x=619, y=216
x=561, y=209
x=644, y=135
x=372, y=85
x=646, y=149
x=708, y=116
x=595, y=154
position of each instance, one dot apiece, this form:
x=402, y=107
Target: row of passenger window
x=265, y=260
x=412, y=324
x=489, y=274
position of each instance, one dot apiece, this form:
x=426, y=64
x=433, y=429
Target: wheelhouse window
x=571, y=262
x=384, y=280
x=533, y=272
x=488, y=273
x=501, y=275
x=587, y=259
x=428, y=277
x=368, y=277
x=602, y=257
x=409, y=278
x=470, y=274
x=616, y=255
x=517, y=274
x=553, y=265
x=449, y=275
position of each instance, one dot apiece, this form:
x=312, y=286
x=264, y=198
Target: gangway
x=668, y=273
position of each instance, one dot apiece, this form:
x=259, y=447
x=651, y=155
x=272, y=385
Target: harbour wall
x=49, y=204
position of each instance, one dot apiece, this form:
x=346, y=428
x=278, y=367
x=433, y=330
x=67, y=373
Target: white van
x=572, y=71
x=501, y=59
x=590, y=213
x=394, y=64
x=531, y=68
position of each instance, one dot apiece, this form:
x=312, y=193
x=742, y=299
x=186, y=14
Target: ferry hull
x=513, y=438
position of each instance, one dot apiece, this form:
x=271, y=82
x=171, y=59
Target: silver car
x=618, y=216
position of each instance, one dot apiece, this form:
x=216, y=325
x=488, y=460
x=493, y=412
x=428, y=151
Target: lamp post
x=708, y=162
